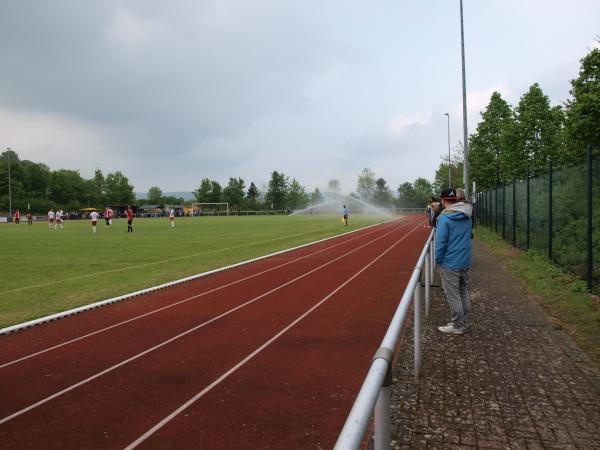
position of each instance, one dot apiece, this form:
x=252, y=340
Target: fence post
x=528, y=210
x=590, y=257
x=496, y=209
x=417, y=330
x=550, y=210
x=504, y=211
x=514, y=215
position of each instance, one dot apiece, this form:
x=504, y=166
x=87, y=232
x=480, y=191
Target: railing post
x=417, y=330
x=382, y=416
x=427, y=284
x=382, y=411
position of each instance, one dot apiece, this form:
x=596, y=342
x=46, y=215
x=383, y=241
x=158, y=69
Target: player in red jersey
x=129, y=219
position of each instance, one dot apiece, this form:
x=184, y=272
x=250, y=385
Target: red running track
x=268, y=355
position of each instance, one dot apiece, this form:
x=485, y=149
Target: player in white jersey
x=172, y=217
x=58, y=219
x=50, y=218
x=94, y=218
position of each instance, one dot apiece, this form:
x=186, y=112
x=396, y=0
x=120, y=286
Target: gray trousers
x=456, y=287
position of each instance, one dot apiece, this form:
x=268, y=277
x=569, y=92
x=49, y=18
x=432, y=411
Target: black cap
x=448, y=194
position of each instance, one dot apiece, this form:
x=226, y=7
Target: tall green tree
x=537, y=134
x=67, y=188
x=118, y=189
x=202, y=194
x=252, y=196
x=487, y=144
x=216, y=192
x=316, y=197
x=277, y=190
x=97, y=189
x=10, y=157
x=36, y=179
x=155, y=195
x=415, y=195
x=297, y=198
x=583, y=110
x=365, y=187
x=382, y=195
x=233, y=193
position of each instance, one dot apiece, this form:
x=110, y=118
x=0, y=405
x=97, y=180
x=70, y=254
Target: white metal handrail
x=375, y=393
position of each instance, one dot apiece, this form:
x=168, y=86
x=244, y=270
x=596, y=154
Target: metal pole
x=496, y=209
x=464, y=83
x=382, y=415
x=514, y=215
x=449, y=163
x=503, y=211
x=9, y=187
x=550, y=210
x=590, y=257
x=528, y=211
x=417, y=329
x=427, y=285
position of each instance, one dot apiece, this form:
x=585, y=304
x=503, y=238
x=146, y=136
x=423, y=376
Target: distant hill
x=183, y=194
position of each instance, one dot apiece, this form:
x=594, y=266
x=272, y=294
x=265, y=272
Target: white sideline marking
x=177, y=303
x=207, y=389
x=160, y=261
x=119, y=298
x=168, y=341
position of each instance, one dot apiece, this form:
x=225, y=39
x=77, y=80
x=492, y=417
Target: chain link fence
x=556, y=215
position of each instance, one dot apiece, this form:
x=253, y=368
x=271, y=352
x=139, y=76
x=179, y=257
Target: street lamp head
x=447, y=114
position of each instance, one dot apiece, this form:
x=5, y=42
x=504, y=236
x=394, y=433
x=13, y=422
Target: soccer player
x=172, y=217
x=17, y=216
x=94, y=218
x=59, y=219
x=29, y=218
x=129, y=219
x=106, y=218
x=110, y=216
x=50, y=218
x=345, y=212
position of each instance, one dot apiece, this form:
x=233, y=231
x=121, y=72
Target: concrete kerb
x=99, y=304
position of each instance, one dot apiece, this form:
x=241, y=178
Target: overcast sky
x=173, y=92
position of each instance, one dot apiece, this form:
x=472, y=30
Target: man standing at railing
x=453, y=256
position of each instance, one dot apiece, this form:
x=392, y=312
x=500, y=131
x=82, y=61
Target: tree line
x=511, y=143
x=36, y=187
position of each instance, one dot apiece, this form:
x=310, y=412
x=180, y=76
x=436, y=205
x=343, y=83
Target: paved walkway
x=516, y=381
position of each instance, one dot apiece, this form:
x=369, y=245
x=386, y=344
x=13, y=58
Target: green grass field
x=46, y=271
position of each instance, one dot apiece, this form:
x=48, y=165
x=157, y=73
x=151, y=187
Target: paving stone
x=515, y=381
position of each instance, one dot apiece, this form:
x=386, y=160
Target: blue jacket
x=453, y=237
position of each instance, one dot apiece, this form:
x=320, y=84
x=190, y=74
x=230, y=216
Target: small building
x=150, y=210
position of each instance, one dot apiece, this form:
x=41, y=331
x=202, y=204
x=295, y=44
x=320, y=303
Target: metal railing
x=375, y=393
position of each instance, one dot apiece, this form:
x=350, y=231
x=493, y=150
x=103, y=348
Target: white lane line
x=168, y=341
x=136, y=266
x=118, y=324
x=208, y=388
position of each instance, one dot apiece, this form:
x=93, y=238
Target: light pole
x=9, y=189
x=464, y=93
x=449, y=175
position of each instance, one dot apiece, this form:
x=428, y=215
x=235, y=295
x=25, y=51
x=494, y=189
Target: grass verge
x=564, y=297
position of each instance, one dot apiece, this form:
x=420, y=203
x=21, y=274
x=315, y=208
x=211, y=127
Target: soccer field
x=46, y=271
